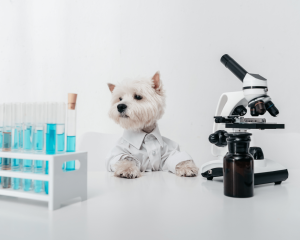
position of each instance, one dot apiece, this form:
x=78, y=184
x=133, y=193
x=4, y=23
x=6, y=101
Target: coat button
x=153, y=153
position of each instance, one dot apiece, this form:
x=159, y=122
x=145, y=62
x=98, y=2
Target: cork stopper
x=72, y=97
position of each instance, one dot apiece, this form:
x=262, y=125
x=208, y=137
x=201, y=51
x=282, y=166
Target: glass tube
x=6, y=182
x=71, y=129
x=27, y=110
x=6, y=143
x=39, y=125
x=46, y=183
x=15, y=142
x=27, y=185
x=1, y=132
x=16, y=183
x=38, y=169
x=15, y=137
x=51, y=128
x=60, y=128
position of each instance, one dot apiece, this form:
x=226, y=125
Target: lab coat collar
x=136, y=138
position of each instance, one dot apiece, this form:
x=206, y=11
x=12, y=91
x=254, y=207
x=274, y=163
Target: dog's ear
x=156, y=81
x=111, y=87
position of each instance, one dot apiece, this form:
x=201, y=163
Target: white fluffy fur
x=186, y=169
x=141, y=114
x=127, y=169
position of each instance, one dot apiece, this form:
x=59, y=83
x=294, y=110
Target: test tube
x=27, y=110
x=46, y=183
x=15, y=137
x=27, y=167
x=28, y=126
x=51, y=128
x=38, y=142
x=60, y=129
x=71, y=129
x=6, y=144
x=15, y=142
x=1, y=132
x=39, y=125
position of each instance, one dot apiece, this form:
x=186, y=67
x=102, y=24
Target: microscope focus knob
x=257, y=153
x=218, y=138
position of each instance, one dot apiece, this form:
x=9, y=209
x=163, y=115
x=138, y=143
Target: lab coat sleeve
x=119, y=153
x=172, y=155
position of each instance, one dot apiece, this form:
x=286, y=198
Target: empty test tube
x=60, y=128
x=71, y=128
x=27, y=110
x=51, y=128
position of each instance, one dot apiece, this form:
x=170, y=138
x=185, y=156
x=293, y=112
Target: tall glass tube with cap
x=6, y=144
x=51, y=128
x=60, y=128
x=71, y=128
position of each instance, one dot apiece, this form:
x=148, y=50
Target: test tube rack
x=63, y=185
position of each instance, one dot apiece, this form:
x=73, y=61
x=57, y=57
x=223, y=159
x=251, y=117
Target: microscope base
x=265, y=171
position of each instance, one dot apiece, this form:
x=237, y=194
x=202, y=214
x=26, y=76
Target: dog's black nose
x=121, y=107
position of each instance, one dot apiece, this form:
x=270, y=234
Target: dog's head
x=137, y=104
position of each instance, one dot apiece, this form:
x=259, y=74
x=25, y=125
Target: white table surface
x=158, y=205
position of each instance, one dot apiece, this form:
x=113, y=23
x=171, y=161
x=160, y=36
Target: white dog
x=136, y=107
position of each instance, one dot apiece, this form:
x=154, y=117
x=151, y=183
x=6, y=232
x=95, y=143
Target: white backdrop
x=49, y=48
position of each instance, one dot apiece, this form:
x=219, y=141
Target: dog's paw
x=187, y=169
x=127, y=169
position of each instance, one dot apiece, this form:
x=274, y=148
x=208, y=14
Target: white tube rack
x=63, y=186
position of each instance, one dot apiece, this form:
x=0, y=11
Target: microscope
x=229, y=118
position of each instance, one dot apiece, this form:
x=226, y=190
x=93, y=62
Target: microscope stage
x=255, y=125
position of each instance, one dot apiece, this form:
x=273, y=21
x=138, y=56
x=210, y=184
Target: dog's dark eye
x=138, y=97
x=120, y=99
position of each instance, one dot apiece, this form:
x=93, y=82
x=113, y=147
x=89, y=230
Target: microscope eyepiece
x=233, y=66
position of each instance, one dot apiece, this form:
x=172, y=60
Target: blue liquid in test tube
x=71, y=129
x=16, y=183
x=39, y=169
x=51, y=138
x=51, y=120
x=71, y=147
x=46, y=183
x=60, y=142
x=39, y=126
x=27, y=167
x=39, y=140
x=60, y=128
x=27, y=143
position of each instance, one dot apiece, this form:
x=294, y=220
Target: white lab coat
x=150, y=151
